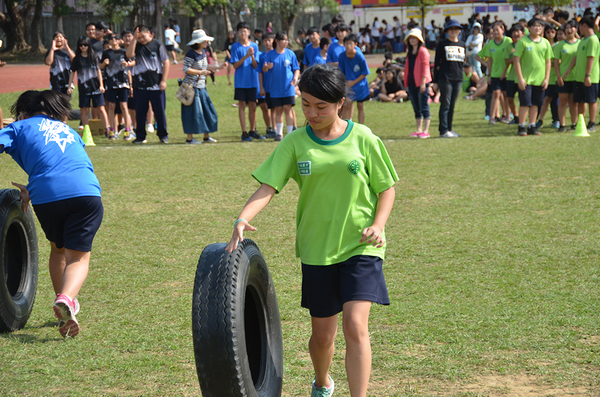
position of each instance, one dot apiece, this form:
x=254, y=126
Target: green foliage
x=331, y=5
x=116, y=10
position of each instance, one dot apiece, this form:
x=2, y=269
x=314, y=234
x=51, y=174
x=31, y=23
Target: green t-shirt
x=565, y=51
x=552, y=79
x=509, y=53
x=533, y=59
x=496, y=53
x=339, y=182
x=588, y=47
x=466, y=81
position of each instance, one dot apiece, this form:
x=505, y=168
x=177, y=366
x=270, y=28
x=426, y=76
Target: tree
x=13, y=24
x=289, y=11
x=37, y=47
x=423, y=5
x=331, y=5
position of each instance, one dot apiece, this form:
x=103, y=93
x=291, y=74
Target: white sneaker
x=149, y=128
x=210, y=140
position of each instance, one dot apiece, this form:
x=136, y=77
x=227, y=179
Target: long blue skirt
x=200, y=117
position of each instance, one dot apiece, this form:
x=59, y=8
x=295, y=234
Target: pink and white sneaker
x=65, y=310
x=424, y=135
x=414, y=134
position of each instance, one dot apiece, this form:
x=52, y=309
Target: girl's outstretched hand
x=238, y=235
x=24, y=195
x=373, y=235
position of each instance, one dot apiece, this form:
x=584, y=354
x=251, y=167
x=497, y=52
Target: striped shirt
x=194, y=60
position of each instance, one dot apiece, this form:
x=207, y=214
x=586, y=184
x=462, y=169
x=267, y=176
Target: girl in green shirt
x=346, y=183
x=564, y=52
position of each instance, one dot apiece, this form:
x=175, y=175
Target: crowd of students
x=128, y=72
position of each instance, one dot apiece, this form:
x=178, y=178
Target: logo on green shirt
x=354, y=167
x=304, y=167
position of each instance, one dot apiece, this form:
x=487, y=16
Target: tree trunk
x=160, y=31
x=37, y=46
x=423, y=17
x=227, y=20
x=13, y=25
x=288, y=24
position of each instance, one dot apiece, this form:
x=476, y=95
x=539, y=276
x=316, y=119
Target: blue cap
x=453, y=23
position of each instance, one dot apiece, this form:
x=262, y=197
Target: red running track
x=15, y=78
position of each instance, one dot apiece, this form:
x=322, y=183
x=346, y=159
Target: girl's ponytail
x=52, y=103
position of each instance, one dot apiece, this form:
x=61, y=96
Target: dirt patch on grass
x=517, y=385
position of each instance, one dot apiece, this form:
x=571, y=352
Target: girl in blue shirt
x=282, y=65
x=63, y=189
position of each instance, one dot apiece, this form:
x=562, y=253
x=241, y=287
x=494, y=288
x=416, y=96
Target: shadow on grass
x=30, y=338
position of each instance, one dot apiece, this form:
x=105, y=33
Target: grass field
x=492, y=264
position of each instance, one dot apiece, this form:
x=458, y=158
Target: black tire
x=236, y=326
x=18, y=262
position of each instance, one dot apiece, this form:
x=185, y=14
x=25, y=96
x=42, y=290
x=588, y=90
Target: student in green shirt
x=564, y=52
x=551, y=100
x=533, y=54
x=587, y=71
x=346, y=181
x=492, y=55
x=516, y=33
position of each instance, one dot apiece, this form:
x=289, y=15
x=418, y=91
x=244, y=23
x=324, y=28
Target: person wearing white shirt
x=474, y=44
x=375, y=33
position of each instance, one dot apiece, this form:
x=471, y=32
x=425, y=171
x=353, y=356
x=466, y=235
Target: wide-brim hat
x=199, y=36
x=416, y=33
x=453, y=23
x=477, y=25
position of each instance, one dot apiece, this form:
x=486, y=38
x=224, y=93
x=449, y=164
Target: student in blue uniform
x=282, y=67
x=243, y=59
x=337, y=47
x=313, y=48
x=354, y=66
x=63, y=189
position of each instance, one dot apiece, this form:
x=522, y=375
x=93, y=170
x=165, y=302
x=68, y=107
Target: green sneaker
x=322, y=391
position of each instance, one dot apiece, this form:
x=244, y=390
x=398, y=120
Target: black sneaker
x=591, y=127
x=255, y=135
x=271, y=133
x=573, y=127
x=522, y=131
x=246, y=137
x=562, y=128
x=164, y=139
x=532, y=130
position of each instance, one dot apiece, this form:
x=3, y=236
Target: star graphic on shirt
x=58, y=132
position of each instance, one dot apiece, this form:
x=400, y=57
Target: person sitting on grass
x=470, y=79
x=345, y=168
x=63, y=189
x=392, y=90
x=532, y=58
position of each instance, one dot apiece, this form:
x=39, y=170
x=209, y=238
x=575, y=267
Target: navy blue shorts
x=269, y=101
x=551, y=91
x=288, y=100
x=86, y=100
x=583, y=94
x=532, y=95
x=261, y=100
x=245, y=95
x=117, y=95
x=325, y=289
x=71, y=223
x=511, y=88
x=130, y=103
x=497, y=84
x=565, y=89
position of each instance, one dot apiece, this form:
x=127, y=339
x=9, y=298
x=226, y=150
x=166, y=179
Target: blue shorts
x=117, y=95
x=86, y=100
x=498, y=84
x=289, y=100
x=245, y=95
x=71, y=223
x=511, y=88
x=565, y=89
x=325, y=289
x=532, y=95
x=583, y=94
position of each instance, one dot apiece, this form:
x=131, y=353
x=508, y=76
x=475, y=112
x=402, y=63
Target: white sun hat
x=199, y=36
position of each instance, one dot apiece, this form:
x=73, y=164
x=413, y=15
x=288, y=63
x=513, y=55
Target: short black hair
x=534, y=20
x=126, y=31
x=342, y=27
x=324, y=41
x=102, y=25
x=351, y=37
x=242, y=25
x=337, y=19
x=562, y=14
x=587, y=20
x=258, y=30
x=324, y=82
x=268, y=35
x=312, y=30
x=329, y=29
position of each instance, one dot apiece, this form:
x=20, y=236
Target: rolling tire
x=18, y=262
x=236, y=327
